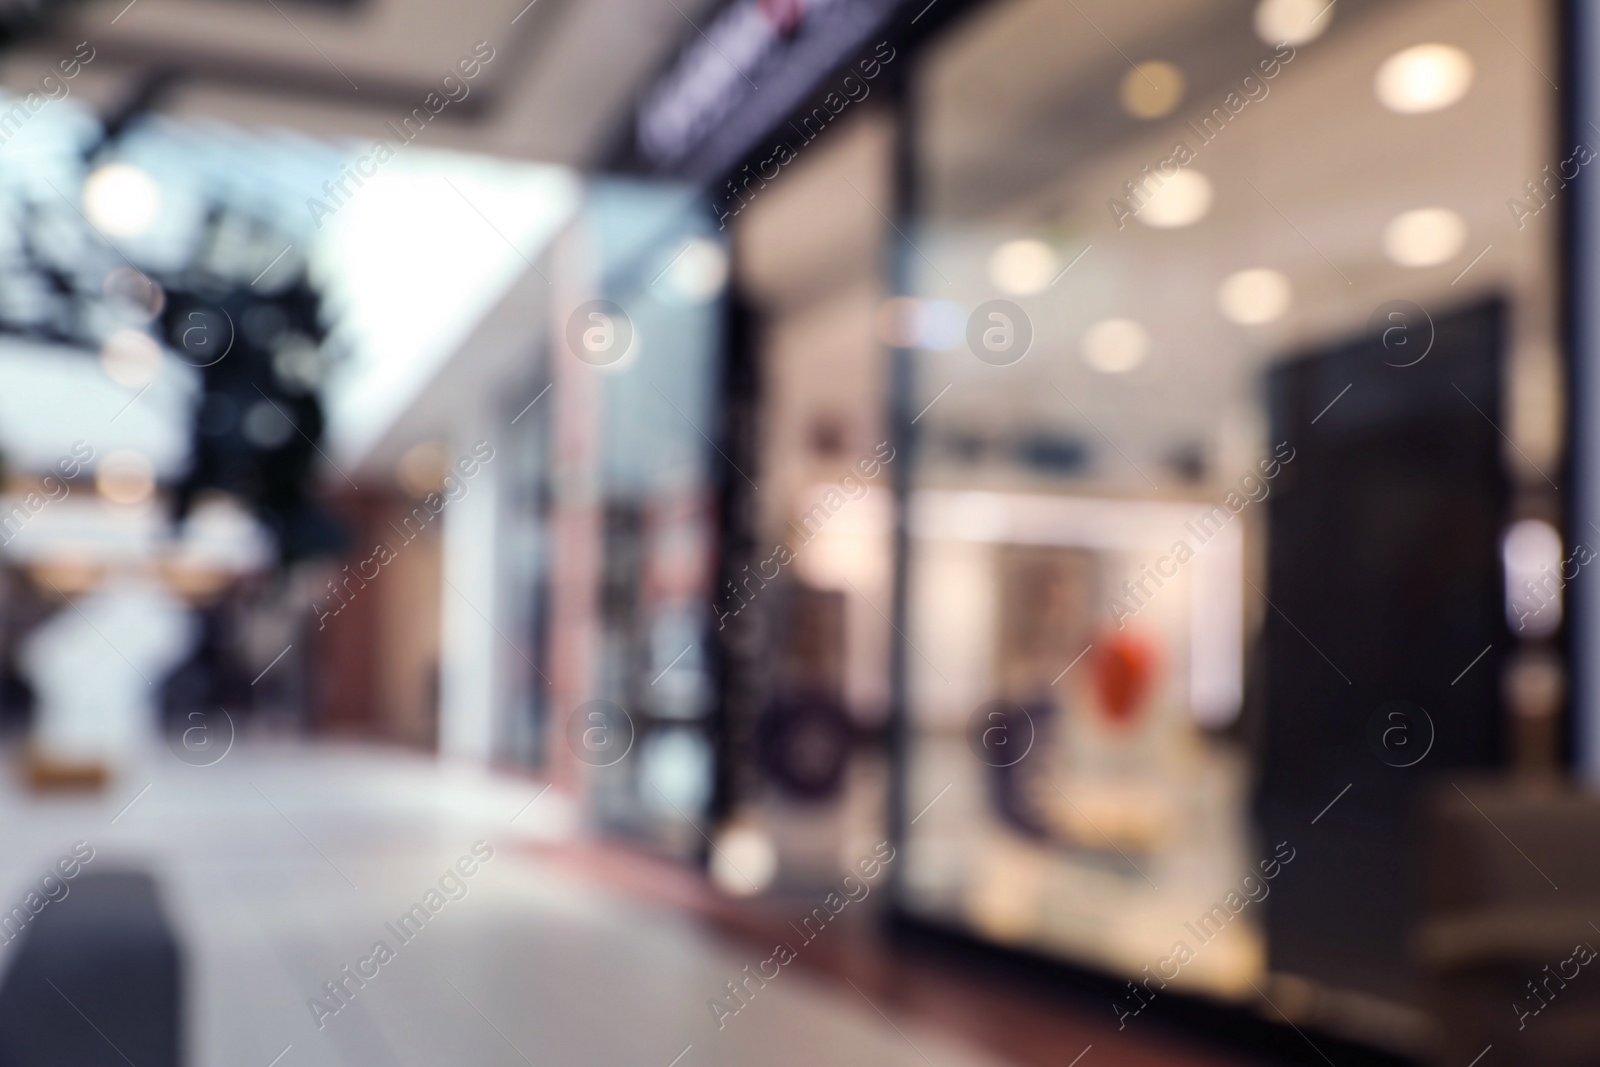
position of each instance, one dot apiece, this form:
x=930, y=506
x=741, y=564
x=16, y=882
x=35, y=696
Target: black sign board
x=732, y=84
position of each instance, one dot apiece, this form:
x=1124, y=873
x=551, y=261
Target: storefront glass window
x=1233, y=337
x=637, y=474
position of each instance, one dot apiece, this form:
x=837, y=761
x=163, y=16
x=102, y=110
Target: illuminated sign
x=750, y=68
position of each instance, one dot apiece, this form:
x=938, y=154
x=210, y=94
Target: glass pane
x=1233, y=344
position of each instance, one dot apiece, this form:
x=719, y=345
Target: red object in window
x=785, y=15
x=1124, y=669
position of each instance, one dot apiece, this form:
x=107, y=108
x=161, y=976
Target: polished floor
x=282, y=865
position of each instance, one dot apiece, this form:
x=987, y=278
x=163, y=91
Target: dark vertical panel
x=1580, y=232
x=737, y=641
x=902, y=385
x=1385, y=579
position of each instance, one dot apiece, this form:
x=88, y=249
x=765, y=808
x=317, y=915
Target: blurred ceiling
x=1304, y=185
x=563, y=73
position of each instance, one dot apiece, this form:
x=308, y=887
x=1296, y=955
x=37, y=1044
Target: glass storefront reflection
x=1160, y=294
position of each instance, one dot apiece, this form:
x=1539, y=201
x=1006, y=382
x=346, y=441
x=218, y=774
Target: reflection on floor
x=283, y=868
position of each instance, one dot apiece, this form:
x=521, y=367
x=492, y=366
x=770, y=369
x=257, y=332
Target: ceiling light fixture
x=1425, y=237
x=1423, y=78
x=1152, y=89
x=1115, y=346
x=1022, y=268
x=1253, y=297
x=1182, y=200
x=1292, y=21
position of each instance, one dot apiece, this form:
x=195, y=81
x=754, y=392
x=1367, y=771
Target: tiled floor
x=282, y=865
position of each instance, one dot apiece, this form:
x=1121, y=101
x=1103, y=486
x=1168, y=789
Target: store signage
x=752, y=66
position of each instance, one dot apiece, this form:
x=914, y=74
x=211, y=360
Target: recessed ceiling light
x=1182, y=200
x=121, y=199
x=1292, y=21
x=1022, y=267
x=1425, y=237
x=1115, y=346
x=1252, y=297
x=1152, y=89
x=1423, y=78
